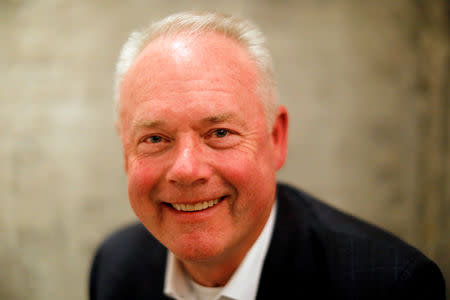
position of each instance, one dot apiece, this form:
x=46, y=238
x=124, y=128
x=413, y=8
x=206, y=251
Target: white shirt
x=243, y=285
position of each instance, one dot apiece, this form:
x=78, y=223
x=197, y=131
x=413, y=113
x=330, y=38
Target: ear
x=279, y=137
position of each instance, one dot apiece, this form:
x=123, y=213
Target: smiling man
x=203, y=137
x=199, y=158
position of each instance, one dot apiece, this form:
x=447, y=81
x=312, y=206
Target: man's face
x=200, y=160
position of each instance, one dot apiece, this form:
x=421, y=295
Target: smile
x=195, y=206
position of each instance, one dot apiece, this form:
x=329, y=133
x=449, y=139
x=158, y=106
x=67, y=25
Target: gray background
x=366, y=84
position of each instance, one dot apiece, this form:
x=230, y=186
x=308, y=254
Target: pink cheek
x=249, y=176
x=141, y=178
x=235, y=168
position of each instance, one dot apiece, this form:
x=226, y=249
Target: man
x=203, y=138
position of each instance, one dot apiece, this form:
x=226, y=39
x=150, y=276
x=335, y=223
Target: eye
x=222, y=138
x=153, y=139
x=221, y=133
x=153, y=143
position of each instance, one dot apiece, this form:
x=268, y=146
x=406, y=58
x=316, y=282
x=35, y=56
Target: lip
x=197, y=206
x=193, y=202
x=193, y=216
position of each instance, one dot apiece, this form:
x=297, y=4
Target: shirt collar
x=176, y=282
x=244, y=282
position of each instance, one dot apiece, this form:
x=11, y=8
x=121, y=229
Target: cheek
x=247, y=166
x=253, y=177
x=140, y=176
x=141, y=181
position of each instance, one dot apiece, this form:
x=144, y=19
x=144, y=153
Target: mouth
x=199, y=206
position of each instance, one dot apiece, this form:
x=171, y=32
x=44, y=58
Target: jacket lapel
x=293, y=267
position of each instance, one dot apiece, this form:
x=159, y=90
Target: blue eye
x=154, y=139
x=220, y=133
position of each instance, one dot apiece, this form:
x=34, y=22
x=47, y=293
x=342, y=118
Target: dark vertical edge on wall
x=433, y=110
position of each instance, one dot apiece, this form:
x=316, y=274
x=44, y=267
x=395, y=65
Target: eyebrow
x=215, y=119
x=149, y=123
x=219, y=118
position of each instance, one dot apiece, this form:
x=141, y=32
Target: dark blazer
x=316, y=252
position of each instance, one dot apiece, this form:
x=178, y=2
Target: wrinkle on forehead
x=207, y=56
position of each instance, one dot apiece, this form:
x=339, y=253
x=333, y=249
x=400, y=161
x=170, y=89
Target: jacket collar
x=293, y=265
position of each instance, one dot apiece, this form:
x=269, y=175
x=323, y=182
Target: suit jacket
x=316, y=252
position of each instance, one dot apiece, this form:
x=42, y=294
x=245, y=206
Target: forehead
x=196, y=50
x=189, y=63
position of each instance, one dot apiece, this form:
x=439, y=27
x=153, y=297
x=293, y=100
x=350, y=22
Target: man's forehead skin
x=183, y=56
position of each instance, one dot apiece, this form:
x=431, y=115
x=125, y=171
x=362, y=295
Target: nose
x=189, y=165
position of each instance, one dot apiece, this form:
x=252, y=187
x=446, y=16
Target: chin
x=196, y=250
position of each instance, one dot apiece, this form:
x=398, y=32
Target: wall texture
x=366, y=84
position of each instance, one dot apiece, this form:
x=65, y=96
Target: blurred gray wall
x=366, y=84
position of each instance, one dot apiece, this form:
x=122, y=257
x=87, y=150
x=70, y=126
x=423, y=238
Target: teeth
x=196, y=206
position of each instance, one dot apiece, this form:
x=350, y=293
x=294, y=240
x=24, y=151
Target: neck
x=211, y=275
x=218, y=271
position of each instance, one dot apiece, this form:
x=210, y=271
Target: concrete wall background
x=366, y=84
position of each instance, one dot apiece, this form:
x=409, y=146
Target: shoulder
x=331, y=221
x=354, y=255
x=324, y=220
x=129, y=240
x=129, y=263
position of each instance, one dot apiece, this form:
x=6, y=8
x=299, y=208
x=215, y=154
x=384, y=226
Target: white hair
x=240, y=30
